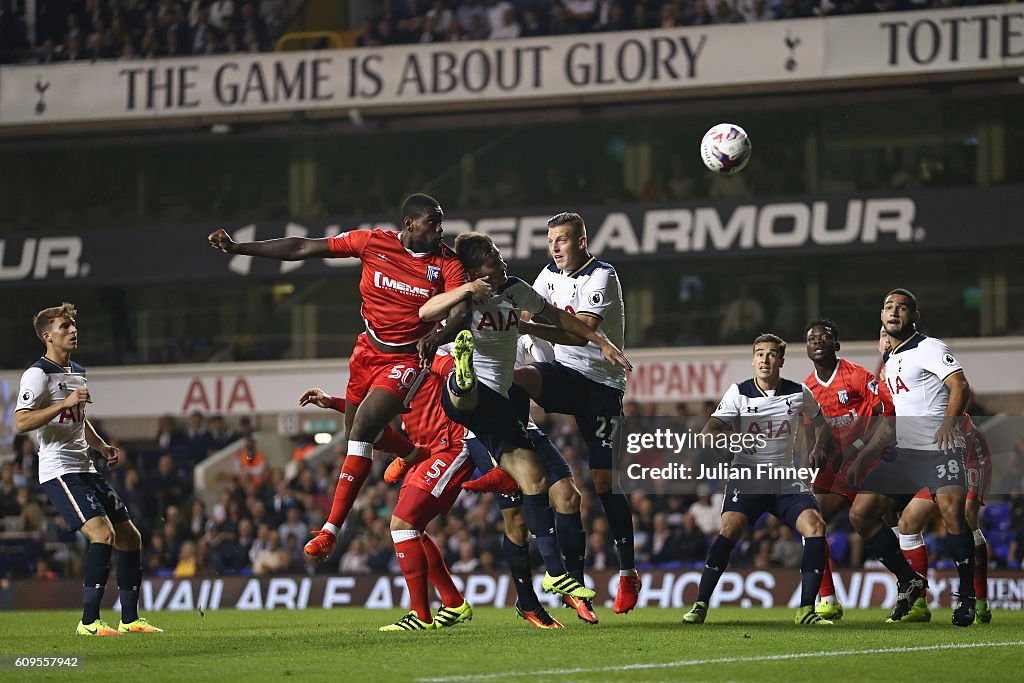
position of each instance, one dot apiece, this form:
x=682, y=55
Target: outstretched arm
x=282, y=249
x=553, y=334
x=590, y=332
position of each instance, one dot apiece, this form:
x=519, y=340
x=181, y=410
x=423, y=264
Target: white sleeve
x=530, y=300
x=729, y=407
x=600, y=291
x=540, y=285
x=33, y=390
x=811, y=408
x=939, y=361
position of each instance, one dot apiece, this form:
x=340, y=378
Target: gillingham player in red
x=400, y=271
x=848, y=396
x=429, y=490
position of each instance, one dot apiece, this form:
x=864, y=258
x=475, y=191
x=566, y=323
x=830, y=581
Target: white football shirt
x=496, y=331
x=62, y=445
x=776, y=415
x=915, y=372
x=593, y=288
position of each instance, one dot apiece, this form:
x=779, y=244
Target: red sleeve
x=453, y=273
x=351, y=243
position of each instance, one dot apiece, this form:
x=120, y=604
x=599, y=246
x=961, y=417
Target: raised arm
x=281, y=249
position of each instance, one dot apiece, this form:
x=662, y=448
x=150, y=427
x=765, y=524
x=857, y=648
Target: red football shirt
x=396, y=282
x=848, y=397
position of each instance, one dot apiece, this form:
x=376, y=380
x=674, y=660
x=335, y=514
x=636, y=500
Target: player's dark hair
x=42, y=320
x=904, y=292
x=827, y=324
x=473, y=248
x=419, y=205
x=569, y=218
x=769, y=338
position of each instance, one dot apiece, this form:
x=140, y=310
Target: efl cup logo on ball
x=725, y=149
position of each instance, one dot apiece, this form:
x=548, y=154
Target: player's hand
x=76, y=397
x=816, y=458
x=112, y=455
x=614, y=355
x=855, y=474
x=427, y=347
x=945, y=437
x=315, y=396
x=219, y=239
x=479, y=288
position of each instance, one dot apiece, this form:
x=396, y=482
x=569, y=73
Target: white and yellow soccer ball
x=725, y=149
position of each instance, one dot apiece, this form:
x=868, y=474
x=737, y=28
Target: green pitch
x=343, y=645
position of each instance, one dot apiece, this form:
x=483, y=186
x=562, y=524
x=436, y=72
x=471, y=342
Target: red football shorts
x=830, y=481
x=431, y=487
x=370, y=369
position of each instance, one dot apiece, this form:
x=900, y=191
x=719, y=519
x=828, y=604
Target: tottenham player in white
x=769, y=409
x=480, y=390
x=581, y=381
x=930, y=393
x=51, y=401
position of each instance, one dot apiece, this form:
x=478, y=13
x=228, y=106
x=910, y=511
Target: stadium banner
x=523, y=71
x=659, y=375
x=698, y=229
x=862, y=589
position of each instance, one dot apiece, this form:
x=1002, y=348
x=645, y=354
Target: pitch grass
x=343, y=645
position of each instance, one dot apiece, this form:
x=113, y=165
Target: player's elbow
x=22, y=422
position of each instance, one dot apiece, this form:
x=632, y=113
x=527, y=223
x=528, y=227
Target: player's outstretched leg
x=812, y=562
x=914, y=549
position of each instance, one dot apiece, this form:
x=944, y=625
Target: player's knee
x=529, y=379
x=127, y=537
x=565, y=497
x=860, y=517
x=813, y=528
x=99, y=531
x=602, y=480
x=399, y=524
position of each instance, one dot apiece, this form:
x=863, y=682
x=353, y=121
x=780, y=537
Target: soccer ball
x=725, y=149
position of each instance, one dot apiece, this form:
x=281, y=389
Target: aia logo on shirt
x=895, y=387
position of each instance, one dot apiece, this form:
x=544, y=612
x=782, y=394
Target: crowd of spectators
x=88, y=30
x=261, y=518
x=73, y=30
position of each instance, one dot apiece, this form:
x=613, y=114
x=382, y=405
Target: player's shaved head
x=419, y=205
x=906, y=293
x=44, y=318
x=573, y=220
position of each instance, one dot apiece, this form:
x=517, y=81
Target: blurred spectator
x=186, y=567
x=251, y=462
x=272, y=559
x=707, y=510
